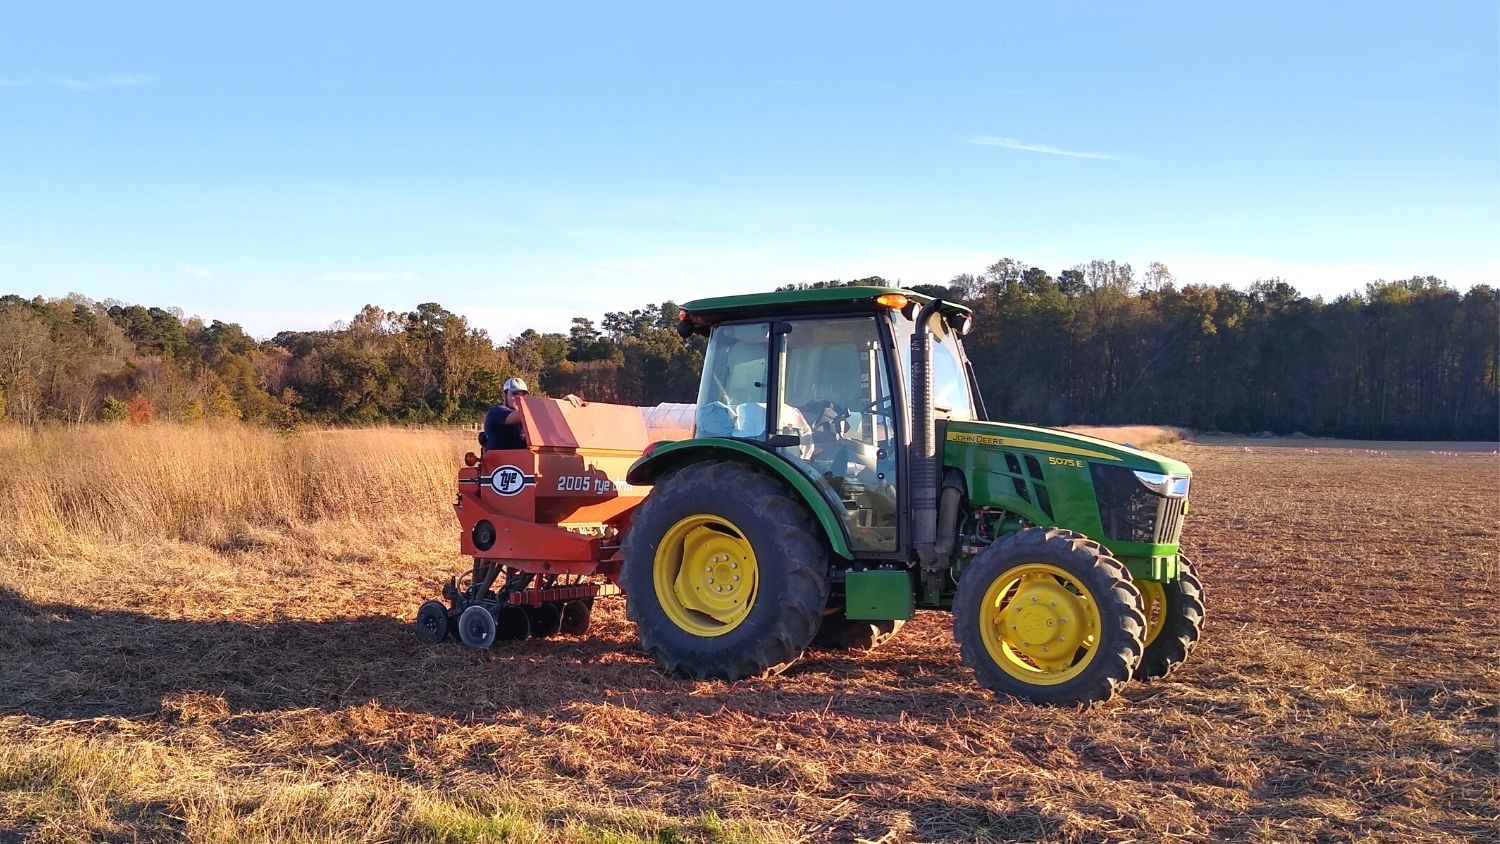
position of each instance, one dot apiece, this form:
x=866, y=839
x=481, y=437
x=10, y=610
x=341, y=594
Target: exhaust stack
x=924, y=472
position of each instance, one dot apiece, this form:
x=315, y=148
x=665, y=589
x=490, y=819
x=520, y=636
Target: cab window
x=732, y=394
x=951, y=398
x=950, y=387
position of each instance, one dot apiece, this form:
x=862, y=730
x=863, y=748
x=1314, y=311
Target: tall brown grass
x=60, y=487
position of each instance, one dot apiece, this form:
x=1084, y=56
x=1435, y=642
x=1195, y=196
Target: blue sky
x=280, y=165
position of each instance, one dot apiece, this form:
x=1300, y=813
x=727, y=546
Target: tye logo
x=509, y=480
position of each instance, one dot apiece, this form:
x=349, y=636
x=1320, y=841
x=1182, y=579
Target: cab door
x=835, y=396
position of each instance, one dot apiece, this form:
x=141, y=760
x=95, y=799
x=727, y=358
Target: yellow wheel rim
x=1154, y=605
x=705, y=575
x=1039, y=624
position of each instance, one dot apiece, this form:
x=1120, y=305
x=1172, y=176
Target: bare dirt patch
x=267, y=688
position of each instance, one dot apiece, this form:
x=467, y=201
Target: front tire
x=1174, y=621
x=725, y=574
x=1049, y=616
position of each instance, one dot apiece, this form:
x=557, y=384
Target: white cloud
x=1014, y=143
x=364, y=277
x=198, y=272
x=121, y=81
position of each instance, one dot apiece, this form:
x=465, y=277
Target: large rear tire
x=725, y=574
x=1174, y=621
x=1049, y=616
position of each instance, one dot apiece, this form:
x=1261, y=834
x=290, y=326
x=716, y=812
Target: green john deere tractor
x=842, y=475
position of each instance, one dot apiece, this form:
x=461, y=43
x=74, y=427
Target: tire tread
x=1182, y=622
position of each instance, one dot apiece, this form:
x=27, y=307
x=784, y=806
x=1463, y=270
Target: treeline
x=1096, y=344
x=76, y=360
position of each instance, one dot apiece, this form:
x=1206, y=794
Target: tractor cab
x=819, y=378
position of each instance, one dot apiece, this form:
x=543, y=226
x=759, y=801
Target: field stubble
x=203, y=636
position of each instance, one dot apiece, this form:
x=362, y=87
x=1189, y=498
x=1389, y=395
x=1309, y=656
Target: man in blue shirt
x=502, y=424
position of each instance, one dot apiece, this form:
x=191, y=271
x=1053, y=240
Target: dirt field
x=255, y=680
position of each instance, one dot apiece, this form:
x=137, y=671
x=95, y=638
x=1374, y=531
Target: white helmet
x=515, y=385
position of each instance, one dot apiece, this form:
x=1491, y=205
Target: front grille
x=1130, y=512
x=1127, y=509
x=1169, y=520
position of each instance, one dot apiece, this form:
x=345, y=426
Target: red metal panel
x=556, y=424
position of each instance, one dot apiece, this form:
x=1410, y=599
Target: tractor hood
x=1062, y=444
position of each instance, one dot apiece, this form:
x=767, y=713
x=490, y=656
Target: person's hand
x=574, y=400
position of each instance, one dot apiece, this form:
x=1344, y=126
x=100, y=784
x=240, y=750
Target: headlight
x=1170, y=486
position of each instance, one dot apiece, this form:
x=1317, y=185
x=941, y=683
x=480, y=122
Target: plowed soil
x=1345, y=690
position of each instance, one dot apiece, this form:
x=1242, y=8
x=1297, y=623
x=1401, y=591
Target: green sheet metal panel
x=878, y=595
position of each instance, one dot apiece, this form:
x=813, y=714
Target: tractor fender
x=668, y=456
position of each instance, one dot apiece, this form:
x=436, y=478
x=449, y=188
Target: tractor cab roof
x=703, y=314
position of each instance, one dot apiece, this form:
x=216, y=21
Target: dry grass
x=1140, y=436
x=210, y=486
x=203, y=638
